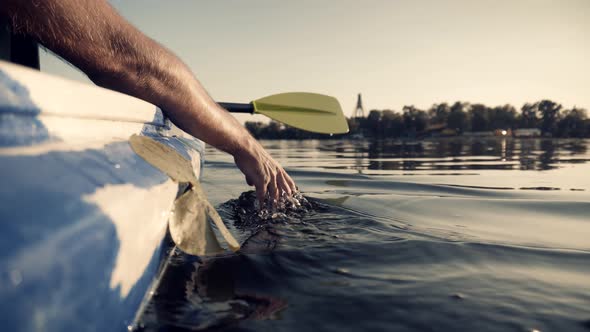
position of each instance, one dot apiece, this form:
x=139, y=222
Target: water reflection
x=488, y=162
x=458, y=154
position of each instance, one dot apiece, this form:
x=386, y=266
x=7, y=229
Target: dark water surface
x=441, y=235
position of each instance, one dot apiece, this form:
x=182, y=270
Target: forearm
x=159, y=77
x=93, y=37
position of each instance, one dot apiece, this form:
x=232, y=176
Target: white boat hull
x=83, y=217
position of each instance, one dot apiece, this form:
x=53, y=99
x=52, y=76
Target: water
x=441, y=235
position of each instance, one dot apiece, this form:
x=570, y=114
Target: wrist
x=247, y=146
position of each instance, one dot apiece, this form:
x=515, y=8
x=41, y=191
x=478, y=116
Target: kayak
x=84, y=216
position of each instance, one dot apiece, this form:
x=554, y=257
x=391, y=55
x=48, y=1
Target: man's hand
x=92, y=36
x=263, y=172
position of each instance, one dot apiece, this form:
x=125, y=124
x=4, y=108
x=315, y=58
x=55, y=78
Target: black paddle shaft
x=238, y=107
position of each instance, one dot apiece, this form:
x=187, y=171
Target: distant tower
x=359, y=111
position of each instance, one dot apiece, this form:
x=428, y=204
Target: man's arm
x=91, y=35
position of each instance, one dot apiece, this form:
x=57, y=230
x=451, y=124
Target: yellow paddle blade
x=308, y=111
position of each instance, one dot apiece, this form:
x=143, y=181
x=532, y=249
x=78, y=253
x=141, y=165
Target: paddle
x=308, y=111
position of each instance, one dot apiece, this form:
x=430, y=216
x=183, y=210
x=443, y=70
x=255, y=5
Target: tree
x=439, y=113
x=373, y=123
x=255, y=128
x=545, y=114
x=573, y=123
x=529, y=118
x=458, y=119
x=393, y=124
x=480, y=117
x=354, y=124
x=502, y=117
x=272, y=130
x=549, y=115
x=415, y=120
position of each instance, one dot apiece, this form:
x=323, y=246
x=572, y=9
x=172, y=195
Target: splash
x=247, y=212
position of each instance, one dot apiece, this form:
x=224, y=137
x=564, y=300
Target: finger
x=261, y=192
x=284, y=184
x=273, y=189
x=249, y=181
x=290, y=182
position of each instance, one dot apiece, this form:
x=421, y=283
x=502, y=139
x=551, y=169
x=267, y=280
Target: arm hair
x=114, y=54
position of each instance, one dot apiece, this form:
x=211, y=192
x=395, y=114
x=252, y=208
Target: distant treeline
x=449, y=119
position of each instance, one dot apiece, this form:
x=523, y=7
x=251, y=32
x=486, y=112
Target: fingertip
x=284, y=186
x=288, y=191
x=292, y=184
x=274, y=190
x=287, y=181
x=260, y=193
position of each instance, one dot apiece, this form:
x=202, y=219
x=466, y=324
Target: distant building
x=437, y=130
x=527, y=132
x=503, y=132
x=497, y=132
x=478, y=133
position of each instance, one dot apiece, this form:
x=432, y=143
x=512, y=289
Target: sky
x=396, y=53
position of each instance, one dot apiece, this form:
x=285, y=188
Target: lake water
x=435, y=235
